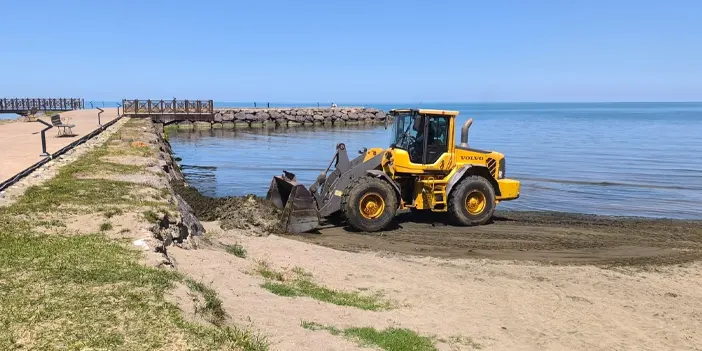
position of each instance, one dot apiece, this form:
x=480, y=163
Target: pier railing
x=167, y=107
x=17, y=105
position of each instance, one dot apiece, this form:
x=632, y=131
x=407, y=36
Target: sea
x=624, y=159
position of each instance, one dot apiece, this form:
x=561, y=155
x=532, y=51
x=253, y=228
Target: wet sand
x=20, y=142
x=555, y=238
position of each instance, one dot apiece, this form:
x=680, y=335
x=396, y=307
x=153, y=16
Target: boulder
x=240, y=116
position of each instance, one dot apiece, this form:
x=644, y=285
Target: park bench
x=56, y=121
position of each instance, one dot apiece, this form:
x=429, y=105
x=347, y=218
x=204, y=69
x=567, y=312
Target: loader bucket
x=299, y=209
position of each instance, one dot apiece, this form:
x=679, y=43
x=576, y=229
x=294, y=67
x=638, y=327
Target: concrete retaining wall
x=289, y=116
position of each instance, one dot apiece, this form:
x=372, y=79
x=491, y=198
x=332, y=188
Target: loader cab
x=422, y=140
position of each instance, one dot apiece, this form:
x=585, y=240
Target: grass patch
x=281, y=289
x=51, y=223
x=302, y=285
x=264, y=270
x=456, y=341
x=236, y=250
x=105, y=226
x=151, y=216
x=67, y=190
x=83, y=292
x=112, y=212
x=390, y=339
x=212, y=309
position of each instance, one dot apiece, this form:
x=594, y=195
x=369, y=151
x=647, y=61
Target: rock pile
x=301, y=115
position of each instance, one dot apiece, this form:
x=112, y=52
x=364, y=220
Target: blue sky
x=353, y=51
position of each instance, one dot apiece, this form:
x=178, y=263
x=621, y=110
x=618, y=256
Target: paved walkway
x=20, y=142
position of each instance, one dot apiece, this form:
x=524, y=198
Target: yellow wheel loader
x=423, y=169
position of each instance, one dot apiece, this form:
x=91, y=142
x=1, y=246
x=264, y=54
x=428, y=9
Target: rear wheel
x=369, y=204
x=472, y=202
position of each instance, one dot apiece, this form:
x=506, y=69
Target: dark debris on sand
x=251, y=213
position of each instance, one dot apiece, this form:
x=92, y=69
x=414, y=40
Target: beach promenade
x=20, y=142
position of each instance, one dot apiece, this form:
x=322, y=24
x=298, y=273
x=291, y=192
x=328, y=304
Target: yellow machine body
x=430, y=180
x=425, y=168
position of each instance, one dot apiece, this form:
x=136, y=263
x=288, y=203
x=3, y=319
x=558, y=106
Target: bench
x=56, y=121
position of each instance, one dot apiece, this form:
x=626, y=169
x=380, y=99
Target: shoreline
x=543, y=236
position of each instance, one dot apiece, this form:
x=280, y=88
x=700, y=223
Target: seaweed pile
x=249, y=213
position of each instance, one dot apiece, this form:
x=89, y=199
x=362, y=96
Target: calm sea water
x=641, y=159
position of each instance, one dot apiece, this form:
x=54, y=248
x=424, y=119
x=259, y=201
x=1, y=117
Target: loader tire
x=369, y=204
x=472, y=202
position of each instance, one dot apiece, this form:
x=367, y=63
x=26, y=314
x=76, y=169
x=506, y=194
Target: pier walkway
x=27, y=106
x=20, y=142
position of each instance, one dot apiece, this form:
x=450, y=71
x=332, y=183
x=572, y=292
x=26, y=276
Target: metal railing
x=167, y=107
x=27, y=104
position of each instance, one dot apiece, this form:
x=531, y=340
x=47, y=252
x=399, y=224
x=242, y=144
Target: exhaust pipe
x=464, y=132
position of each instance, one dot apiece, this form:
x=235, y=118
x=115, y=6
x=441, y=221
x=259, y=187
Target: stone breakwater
x=291, y=116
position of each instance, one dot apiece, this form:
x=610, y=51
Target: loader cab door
x=422, y=142
x=437, y=132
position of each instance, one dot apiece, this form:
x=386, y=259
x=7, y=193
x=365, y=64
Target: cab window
x=437, y=138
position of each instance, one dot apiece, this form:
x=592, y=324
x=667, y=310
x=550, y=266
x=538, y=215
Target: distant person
x=333, y=105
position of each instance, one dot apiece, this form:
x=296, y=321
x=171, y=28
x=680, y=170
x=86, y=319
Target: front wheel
x=369, y=204
x=472, y=202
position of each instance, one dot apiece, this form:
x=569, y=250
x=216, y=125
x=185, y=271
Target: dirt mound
x=251, y=213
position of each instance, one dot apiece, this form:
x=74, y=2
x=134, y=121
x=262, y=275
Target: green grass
x=264, y=270
x=236, y=250
x=212, y=310
x=65, y=189
x=105, y=226
x=83, y=292
x=51, y=223
x=389, y=339
x=112, y=212
x=151, y=216
x=89, y=291
x=302, y=285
